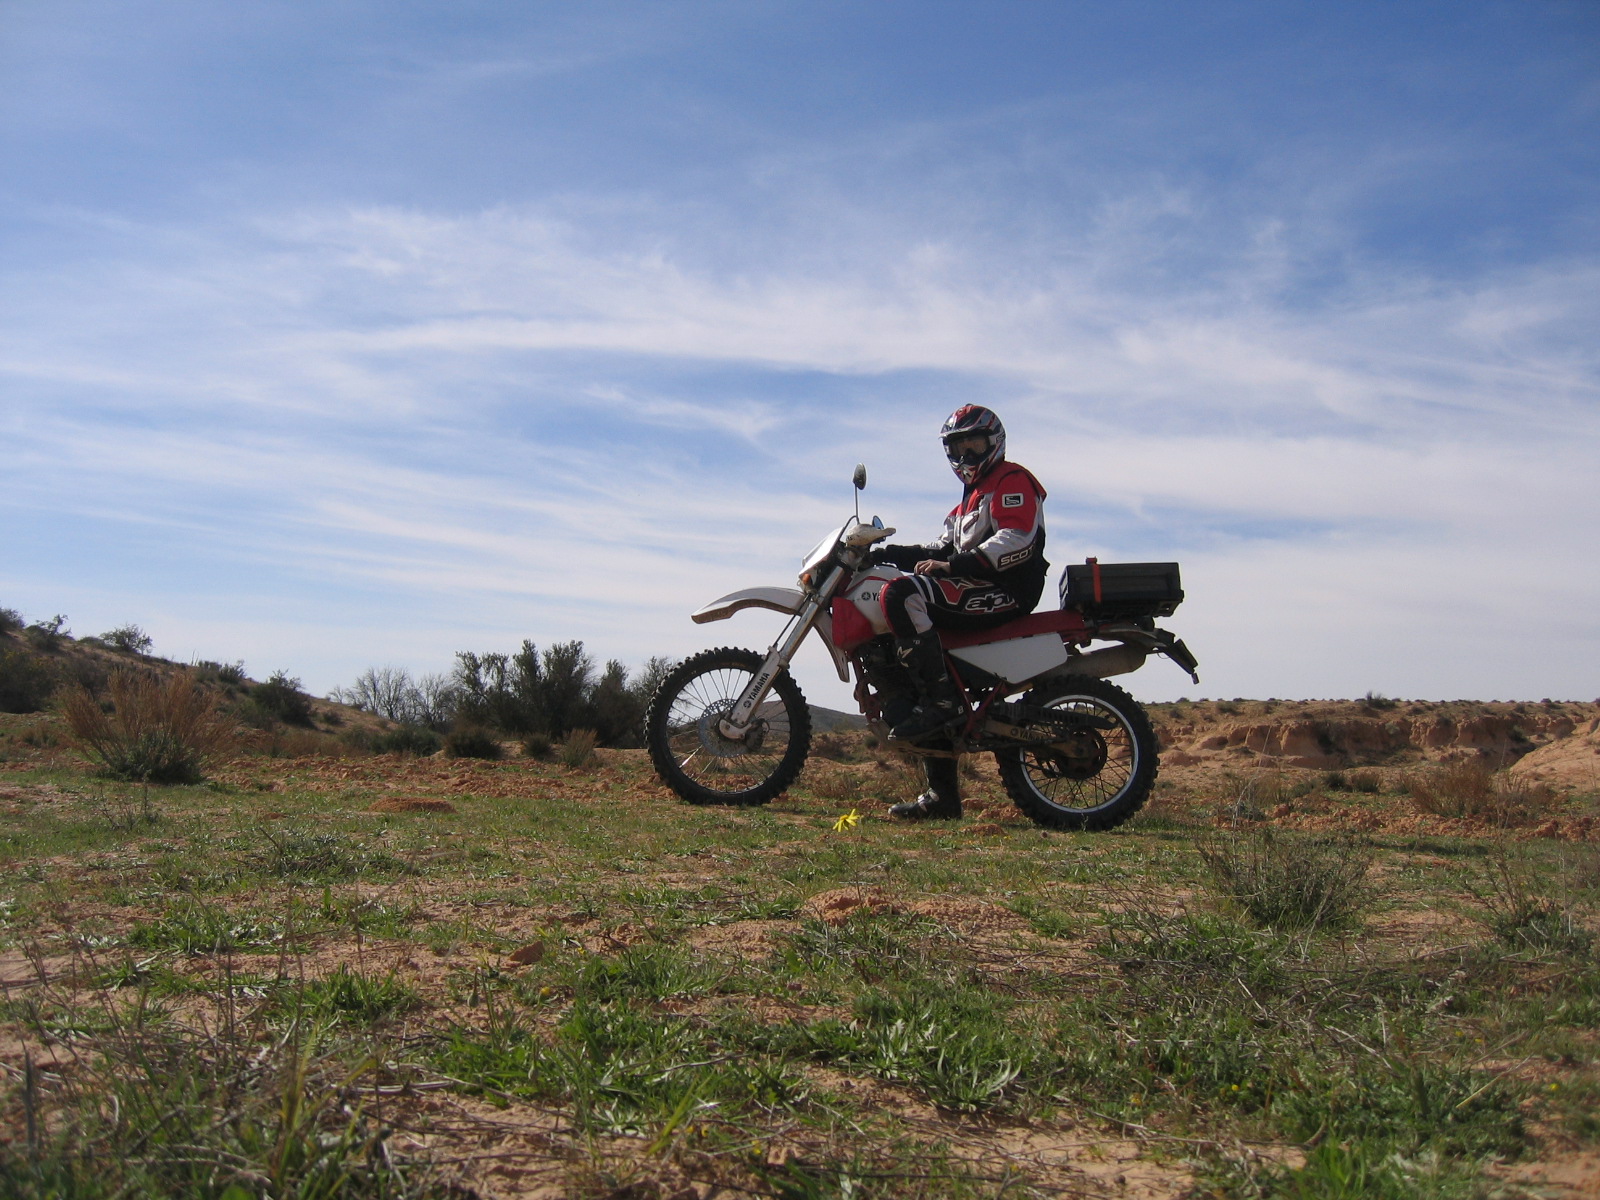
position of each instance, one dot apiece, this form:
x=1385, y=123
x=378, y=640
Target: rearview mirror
x=860, y=477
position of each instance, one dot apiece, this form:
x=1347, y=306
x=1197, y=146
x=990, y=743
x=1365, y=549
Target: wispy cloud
x=576, y=407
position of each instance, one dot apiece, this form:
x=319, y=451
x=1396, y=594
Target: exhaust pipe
x=1098, y=664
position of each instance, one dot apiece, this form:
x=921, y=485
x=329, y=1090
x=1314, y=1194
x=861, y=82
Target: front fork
x=736, y=724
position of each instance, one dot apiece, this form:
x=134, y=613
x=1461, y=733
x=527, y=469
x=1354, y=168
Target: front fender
x=784, y=600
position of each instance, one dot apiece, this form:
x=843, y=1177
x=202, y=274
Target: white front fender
x=784, y=600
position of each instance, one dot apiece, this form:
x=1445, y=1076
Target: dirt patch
x=19, y=970
x=33, y=793
x=740, y=939
x=838, y=905
x=968, y=916
x=1566, y=1175
x=389, y=804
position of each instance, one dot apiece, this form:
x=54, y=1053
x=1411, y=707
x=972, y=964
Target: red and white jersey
x=998, y=527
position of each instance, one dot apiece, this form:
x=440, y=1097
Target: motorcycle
x=1074, y=751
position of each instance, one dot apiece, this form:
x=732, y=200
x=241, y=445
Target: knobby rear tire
x=701, y=766
x=1061, y=791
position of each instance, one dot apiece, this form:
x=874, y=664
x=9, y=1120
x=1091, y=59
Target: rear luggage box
x=1117, y=591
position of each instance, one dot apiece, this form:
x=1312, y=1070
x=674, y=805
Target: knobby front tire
x=1099, y=777
x=696, y=761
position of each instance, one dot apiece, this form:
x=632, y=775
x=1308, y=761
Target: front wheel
x=690, y=752
x=1099, y=774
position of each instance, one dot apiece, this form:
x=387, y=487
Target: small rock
x=528, y=955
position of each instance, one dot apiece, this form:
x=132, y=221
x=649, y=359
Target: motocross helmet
x=973, y=420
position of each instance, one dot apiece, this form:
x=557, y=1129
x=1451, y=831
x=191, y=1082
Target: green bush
x=226, y=674
x=1369, y=783
x=130, y=639
x=280, y=697
x=26, y=681
x=407, y=739
x=10, y=620
x=472, y=741
x=47, y=635
x=536, y=745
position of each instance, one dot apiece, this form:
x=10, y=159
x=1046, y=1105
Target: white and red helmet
x=973, y=420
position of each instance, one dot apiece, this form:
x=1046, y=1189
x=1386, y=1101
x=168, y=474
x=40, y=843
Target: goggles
x=967, y=449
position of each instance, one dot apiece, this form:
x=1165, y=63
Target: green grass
x=261, y=1002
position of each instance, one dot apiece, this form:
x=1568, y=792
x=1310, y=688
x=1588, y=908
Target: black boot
x=942, y=800
x=897, y=695
x=940, y=702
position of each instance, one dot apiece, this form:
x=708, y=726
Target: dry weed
x=158, y=730
x=1292, y=882
x=832, y=745
x=834, y=785
x=577, y=751
x=1473, y=788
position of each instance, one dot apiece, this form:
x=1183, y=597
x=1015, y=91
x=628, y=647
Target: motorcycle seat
x=1065, y=621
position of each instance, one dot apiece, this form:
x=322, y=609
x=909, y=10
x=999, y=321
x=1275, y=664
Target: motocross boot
x=942, y=800
x=940, y=702
x=897, y=695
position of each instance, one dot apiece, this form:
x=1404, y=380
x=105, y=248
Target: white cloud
x=354, y=396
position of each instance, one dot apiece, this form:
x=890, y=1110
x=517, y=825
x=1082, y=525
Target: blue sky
x=344, y=334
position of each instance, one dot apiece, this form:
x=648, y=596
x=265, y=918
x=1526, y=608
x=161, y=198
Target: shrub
x=26, y=682
x=832, y=745
x=536, y=745
x=1521, y=912
x=130, y=639
x=10, y=620
x=159, y=731
x=577, y=751
x=391, y=692
x=833, y=785
x=1472, y=788
x=47, y=635
x=281, y=698
x=1291, y=882
x=295, y=853
x=1368, y=783
x=472, y=741
x=407, y=739
x=227, y=674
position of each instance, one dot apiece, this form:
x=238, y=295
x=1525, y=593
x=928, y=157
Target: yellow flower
x=849, y=821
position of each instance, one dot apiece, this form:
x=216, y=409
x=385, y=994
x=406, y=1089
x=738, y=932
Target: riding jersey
x=996, y=533
x=998, y=528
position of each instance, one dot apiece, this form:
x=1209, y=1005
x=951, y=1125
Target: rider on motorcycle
x=987, y=568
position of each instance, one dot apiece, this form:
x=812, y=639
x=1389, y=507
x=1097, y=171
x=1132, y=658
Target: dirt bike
x=730, y=726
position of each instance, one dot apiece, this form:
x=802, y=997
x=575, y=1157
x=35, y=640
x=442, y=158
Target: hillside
x=1552, y=742
x=1549, y=744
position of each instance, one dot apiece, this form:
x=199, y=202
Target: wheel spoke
x=697, y=760
x=1097, y=777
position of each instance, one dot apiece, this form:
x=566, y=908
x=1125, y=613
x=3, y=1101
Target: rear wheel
x=1100, y=771
x=691, y=754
